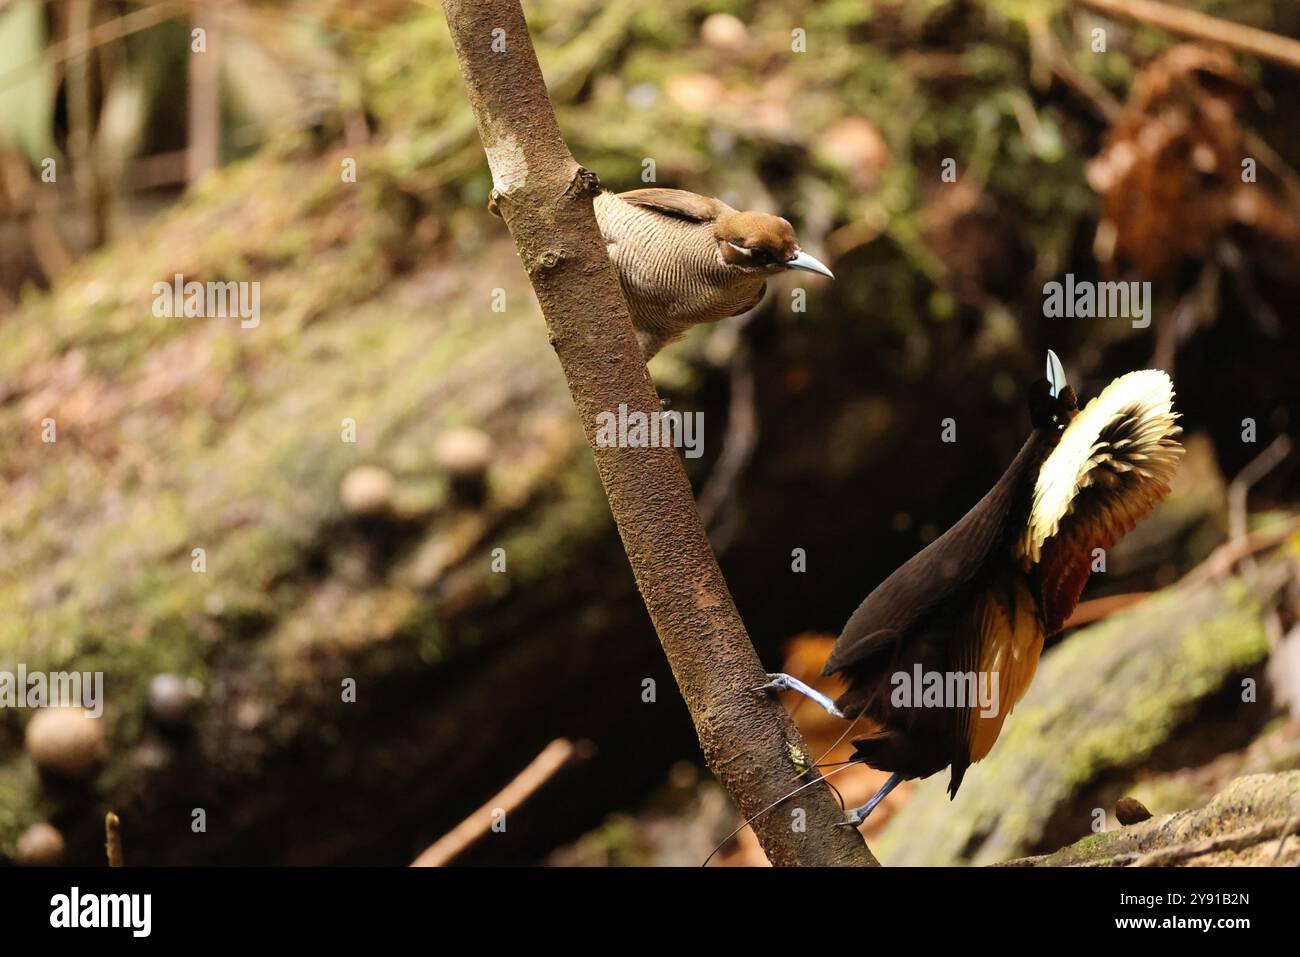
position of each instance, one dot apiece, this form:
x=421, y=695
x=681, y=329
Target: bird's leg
x=784, y=682
x=859, y=814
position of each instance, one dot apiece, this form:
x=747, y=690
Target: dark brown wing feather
x=678, y=203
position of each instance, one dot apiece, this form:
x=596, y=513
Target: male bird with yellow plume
x=974, y=607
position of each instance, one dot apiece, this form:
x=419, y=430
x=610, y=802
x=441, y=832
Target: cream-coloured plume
x=1113, y=464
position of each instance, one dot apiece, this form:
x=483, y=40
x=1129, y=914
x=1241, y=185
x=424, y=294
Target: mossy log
x=1251, y=822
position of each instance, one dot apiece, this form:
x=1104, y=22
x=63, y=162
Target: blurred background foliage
x=332, y=560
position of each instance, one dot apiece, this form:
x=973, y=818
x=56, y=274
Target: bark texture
x=545, y=197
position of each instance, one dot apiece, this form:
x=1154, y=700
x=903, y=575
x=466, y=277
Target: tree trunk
x=544, y=196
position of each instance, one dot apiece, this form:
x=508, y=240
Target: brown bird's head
x=763, y=244
x=1053, y=403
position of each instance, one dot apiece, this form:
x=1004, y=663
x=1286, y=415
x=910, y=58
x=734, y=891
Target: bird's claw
x=776, y=683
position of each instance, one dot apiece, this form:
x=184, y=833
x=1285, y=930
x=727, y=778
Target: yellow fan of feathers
x=1113, y=464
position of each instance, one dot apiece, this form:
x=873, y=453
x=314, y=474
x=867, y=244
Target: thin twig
x=1202, y=26
x=1255, y=470
x=1281, y=841
x=203, y=153
x=738, y=442
x=1224, y=558
x=526, y=783
x=1043, y=43
x=107, y=32
x=1096, y=609
x=113, y=839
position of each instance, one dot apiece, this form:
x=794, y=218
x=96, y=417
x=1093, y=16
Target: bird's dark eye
x=756, y=255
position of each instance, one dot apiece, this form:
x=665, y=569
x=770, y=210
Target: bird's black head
x=1052, y=401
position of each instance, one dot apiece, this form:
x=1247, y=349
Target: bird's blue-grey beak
x=1055, y=374
x=808, y=263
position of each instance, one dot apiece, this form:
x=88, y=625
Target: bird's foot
x=776, y=682
x=859, y=814
x=784, y=682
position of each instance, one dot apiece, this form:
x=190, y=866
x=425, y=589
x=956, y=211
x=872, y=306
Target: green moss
x=101, y=577
x=1246, y=802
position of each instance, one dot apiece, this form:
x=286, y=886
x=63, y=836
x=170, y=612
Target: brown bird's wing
x=932, y=576
x=1113, y=464
x=1009, y=639
x=678, y=203
x=985, y=647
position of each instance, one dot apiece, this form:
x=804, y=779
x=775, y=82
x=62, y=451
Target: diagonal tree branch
x=748, y=740
x=1203, y=27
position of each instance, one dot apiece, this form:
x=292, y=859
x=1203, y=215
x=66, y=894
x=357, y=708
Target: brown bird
x=940, y=652
x=683, y=259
